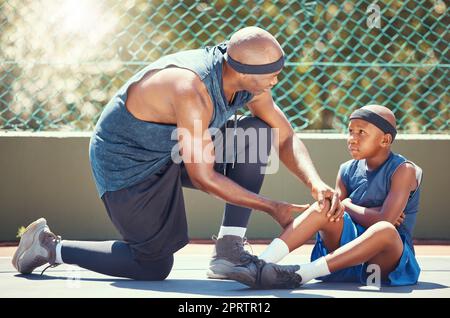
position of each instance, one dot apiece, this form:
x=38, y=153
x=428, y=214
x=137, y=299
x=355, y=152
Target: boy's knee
x=386, y=230
x=384, y=226
x=324, y=209
x=321, y=212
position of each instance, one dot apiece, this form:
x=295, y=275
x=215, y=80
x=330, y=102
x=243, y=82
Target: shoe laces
x=246, y=243
x=287, y=276
x=49, y=266
x=248, y=259
x=56, y=239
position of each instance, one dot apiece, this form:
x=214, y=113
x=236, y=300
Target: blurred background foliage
x=62, y=60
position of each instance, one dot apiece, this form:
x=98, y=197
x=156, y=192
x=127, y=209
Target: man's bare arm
x=291, y=150
x=193, y=115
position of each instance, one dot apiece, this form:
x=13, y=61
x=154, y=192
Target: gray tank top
x=124, y=150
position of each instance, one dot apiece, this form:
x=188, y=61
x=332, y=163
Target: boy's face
x=365, y=139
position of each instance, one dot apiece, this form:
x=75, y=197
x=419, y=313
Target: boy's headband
x=376, y=120
x=253, y=68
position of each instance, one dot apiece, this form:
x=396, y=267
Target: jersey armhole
x=419, y=175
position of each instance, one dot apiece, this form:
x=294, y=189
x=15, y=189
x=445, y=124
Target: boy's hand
x=400, y=220
x=339, y=212
x=321, y=191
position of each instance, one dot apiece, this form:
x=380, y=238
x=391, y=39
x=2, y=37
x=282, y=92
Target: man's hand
x=400, y=220
x=321, y=191
x=283, y=212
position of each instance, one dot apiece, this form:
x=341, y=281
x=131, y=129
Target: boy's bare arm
x=403, y=182
x=341, y=191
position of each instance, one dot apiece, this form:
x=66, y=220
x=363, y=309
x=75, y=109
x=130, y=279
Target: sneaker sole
x=211, y=275
x=243, y=278
x=219, y=269
x=28, y=240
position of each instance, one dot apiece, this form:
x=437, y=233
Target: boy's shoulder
x=407, y=165
x=398, y=160
x=348, y=171
x=349, y=165
x=394, y=159
x=353, y=166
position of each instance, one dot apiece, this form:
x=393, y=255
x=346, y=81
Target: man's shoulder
x=186, y=83
x=184, y=76
x=189, y=89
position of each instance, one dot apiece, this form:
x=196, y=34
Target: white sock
x=232, y=230
x=275, y=252
x=59, y=259
x=313, y=270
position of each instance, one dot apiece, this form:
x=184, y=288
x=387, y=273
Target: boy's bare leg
x=297, y=233
x=303, y=228
x=310, y=222
x=379, y=244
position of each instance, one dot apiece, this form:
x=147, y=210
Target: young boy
x=380, y=192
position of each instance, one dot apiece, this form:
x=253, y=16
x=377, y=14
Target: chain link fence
x=62, y=60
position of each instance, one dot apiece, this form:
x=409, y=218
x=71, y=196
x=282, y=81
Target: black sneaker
x=258, y=274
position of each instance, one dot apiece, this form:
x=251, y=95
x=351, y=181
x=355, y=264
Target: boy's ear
x=387, y=140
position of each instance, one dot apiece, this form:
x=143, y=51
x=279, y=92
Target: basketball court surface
x=188, y=280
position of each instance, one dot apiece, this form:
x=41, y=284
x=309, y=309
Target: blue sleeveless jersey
x=370, y=188
x=124, y=150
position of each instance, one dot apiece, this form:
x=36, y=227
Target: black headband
x=255, y=69
x=375, y=119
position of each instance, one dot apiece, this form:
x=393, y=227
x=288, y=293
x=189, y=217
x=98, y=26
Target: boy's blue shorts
x=406, y=273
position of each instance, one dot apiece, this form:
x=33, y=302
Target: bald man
x=169, y=126
x=380, y=192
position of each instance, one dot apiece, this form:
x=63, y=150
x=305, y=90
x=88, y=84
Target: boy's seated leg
x=310, y=222
x=379, y=244
x=305, y=226
x=394, y=256
x=349, y=231
x=388, y=259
